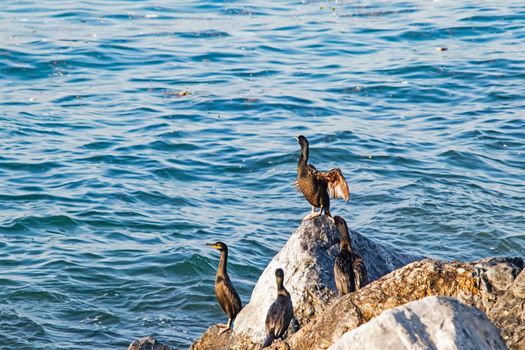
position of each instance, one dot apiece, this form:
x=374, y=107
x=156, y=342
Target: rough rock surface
x=148, y=343
x=476, y=284
x=307, y=260
x=508, y=313
x=431, y=323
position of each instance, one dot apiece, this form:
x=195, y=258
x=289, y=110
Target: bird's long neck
x=345, y=245
x=280, y=288
x=222, y=263
x=303, y=159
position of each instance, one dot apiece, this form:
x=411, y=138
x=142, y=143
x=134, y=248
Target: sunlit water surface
x=132, y=132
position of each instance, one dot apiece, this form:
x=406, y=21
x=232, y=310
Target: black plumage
x=280, y=312
x=349, y=269
x=226, y=294
x=318, y=186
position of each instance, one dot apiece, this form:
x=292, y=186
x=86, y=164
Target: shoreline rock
x=429, y=323
x=307, y=260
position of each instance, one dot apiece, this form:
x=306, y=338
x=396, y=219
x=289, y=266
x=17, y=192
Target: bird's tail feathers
x=269, y=340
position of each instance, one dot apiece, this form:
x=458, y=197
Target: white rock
x=437, y=323
x=307, y=260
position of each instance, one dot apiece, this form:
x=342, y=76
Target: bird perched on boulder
x=318, y=186
x=226, y=294
x=349, y=269
x=280, y=312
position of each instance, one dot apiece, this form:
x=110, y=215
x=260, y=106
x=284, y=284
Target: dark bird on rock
x=280, y=312
x=226, y=294
x=318, y=186
x=349, y=269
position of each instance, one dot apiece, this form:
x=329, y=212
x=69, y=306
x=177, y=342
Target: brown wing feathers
x=232, y=303
x=336, y=183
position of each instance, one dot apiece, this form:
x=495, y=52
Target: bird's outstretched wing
x=336, y=183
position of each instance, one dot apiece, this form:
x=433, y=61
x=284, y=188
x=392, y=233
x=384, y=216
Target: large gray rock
x=438, y=323
x=307, y=260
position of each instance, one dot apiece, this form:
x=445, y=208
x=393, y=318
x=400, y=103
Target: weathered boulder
x=431, y=323
x=478, y=284
x=307, y=260
x=148, y=343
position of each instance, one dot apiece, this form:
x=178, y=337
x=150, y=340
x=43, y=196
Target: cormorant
x=280, y=312
x=226, y=294
x=349, y=269
x=318, y=186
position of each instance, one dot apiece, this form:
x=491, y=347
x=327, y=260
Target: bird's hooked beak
x=213, y=245
x=296, y=137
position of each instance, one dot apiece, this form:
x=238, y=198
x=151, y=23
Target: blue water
x=132, y=132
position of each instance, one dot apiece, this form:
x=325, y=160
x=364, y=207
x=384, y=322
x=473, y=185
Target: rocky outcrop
x=430, y=323
x=324, y=317
x=148, y=343
x=478, y=284
x=307, y=260
x=472, y=283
